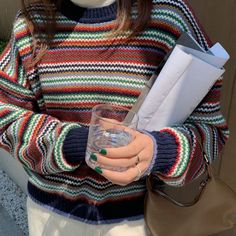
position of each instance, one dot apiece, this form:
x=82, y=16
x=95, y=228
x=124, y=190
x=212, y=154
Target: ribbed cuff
x=75, y=143
x=165, y=154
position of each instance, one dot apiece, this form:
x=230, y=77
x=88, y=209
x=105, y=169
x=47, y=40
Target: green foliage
x=2, y=45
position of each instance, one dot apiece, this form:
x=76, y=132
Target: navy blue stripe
x=113, y=211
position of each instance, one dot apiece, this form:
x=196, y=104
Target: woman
x=66, y=56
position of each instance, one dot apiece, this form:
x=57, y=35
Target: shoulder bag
x=211, y=210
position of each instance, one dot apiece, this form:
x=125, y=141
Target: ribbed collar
x=88, y=15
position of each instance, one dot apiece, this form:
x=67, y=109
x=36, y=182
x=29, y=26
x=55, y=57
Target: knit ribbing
x=74, y=146
x=166, y=151
x=88, y=15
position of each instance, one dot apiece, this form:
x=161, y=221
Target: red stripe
x=78, y=89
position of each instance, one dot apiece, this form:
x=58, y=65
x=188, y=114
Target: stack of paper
x=183, y=82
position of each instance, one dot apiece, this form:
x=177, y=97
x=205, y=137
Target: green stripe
x=10, y=117
x=9, y=86
x=83, y=191
x=26, y=139
x=184, y=156
x=78, y=80
x=90, y=98
x=167, y=15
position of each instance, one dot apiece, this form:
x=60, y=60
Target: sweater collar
x=88, y=15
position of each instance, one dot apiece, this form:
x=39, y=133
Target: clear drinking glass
x=108, y=128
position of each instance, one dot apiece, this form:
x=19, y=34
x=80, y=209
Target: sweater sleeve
x=34, y=138
x=179, y=156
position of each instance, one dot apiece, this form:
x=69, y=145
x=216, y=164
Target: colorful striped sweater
x=45, y=110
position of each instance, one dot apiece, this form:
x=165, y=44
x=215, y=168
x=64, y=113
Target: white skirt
x=43, y=222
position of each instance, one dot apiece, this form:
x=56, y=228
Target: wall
x=7, y=15
x=14, y=170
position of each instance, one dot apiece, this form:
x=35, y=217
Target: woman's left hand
x=134, y=157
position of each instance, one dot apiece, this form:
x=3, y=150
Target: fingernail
x=103, y=151
x=93, y=157
x=98, y=170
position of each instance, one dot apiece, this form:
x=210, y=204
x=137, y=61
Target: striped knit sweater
x=45, y=110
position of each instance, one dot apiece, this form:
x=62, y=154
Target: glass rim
x=135, y=115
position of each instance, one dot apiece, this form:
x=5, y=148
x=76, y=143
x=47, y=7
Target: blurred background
x=219, y=20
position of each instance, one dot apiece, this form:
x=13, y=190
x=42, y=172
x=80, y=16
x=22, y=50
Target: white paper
x=165, y=82
x=183, y=82
x=217, y=59
x=219, y=51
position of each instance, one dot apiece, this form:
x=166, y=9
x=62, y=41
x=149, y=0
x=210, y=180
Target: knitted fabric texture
x=42, y=106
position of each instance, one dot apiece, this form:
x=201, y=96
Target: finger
x=120, y=178
x=125, y=177
x=128, y=151
x=145, y=155
x=121, y=162
x=118, y=162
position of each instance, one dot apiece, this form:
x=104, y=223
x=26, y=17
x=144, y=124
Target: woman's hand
x=135, y=158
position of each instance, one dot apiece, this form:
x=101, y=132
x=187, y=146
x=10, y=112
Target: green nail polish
x=103, y=152
x=93, y=157
x=98, y=170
